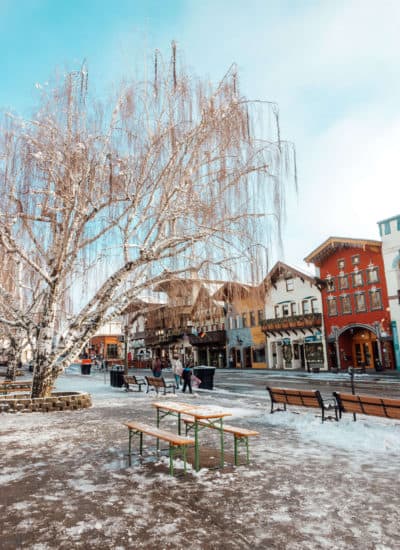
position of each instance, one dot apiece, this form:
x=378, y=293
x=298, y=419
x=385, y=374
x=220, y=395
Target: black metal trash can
x=117, y=376
x=85, y=368
x=206, y=375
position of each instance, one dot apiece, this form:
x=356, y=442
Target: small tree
x=102, y=200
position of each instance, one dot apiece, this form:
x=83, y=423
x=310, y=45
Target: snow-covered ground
x=65, y=482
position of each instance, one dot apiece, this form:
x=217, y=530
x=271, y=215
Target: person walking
x=187, y=378
x=177, y=369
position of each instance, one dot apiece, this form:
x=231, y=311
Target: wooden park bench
x=367, y=404
x=176, y=442
x=301, y=398
x=240, y=435
x=8, y=387
x=158, y=383
x=134, y=381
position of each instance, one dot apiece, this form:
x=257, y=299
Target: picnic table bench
x=158, y=383
x=135, y=381
x=240, y=435
x=367, y=404
x=9, y=386
x=301, y=398
x=176, y=442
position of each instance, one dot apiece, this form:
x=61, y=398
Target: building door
x=247, y=357
x=363, y=350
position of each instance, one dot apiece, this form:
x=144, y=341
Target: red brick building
x=355, y=303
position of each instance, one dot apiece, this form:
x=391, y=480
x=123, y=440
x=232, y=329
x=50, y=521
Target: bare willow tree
x=104, y=199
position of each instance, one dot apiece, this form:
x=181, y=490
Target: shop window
x=296, y=351
x=346, y=305
x=315, y=306
x=293, y=308
x=314, y=353
x=343, y=282
x=252, y=319
x=341, y=265
x=360, y=302
x=375, y=298
x=355, y=260
x=289, y=284
x=259, y=355
x=372, y=275
x=332, y=307
x=112, y=351
x=357, y=279
x=306, y=307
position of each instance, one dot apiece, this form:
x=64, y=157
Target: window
x=355, y=260
x=232, y=323
x=238, y=321
x=375, y=299
x=330, y=284
x=112, y=351
x=386, y=228
x=332, y=307
x=306, y=307
x=346, y=304
x=289, y=284
x=285, y=310
x=260, y=314
x=343, y=282
x=357, y=279
x=341, y=265
x=293, y=308
x=277, y=311
x=315, y=306
x=252, y=319
x=372, y=275
x=244, y=320
x=361, y=304
x=259, y=355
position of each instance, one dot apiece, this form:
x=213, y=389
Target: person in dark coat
x=187, y=378
x=157, y=367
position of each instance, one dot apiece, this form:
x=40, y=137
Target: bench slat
x=172, y=438
x=241, y=432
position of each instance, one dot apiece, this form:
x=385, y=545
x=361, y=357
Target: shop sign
x=314, y=338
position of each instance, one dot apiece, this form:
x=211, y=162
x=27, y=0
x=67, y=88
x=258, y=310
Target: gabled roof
x=281, y=269
x=333, y=244
x=232, y=289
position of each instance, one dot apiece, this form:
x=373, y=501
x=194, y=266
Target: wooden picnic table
x=201, y=415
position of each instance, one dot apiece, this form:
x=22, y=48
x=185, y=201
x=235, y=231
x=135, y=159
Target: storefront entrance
x=365, y=349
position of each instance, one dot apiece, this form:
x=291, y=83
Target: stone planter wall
x=58, y=401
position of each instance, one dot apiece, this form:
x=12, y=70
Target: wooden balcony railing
x=307, y=320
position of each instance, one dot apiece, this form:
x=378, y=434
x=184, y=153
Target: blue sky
x=331, y=65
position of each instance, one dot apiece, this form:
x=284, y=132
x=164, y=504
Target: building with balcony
x=293, y=324
x=355, y=303
x=244, y=312
x=190, y=323
x=389, y=230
